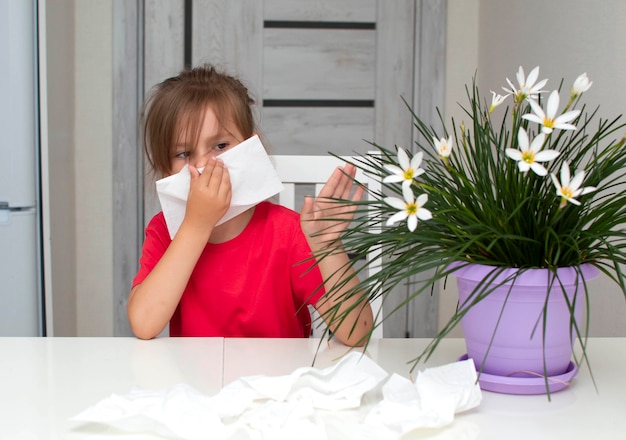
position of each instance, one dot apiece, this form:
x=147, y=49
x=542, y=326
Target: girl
x=245, y=277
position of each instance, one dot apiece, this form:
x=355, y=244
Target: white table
x=45, y=381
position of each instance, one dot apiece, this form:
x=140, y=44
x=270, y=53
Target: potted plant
x=526, y=188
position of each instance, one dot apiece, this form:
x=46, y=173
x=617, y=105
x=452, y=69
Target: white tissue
x=354, y=398
x=431, y=402
x=181, y=411
x=252, y=177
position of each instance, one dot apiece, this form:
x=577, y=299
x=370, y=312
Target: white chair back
x=297, y=170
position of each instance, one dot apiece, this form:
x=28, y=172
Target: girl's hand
x=323, y=218
x=209, y=196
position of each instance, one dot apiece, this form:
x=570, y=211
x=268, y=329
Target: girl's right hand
x=209, y=196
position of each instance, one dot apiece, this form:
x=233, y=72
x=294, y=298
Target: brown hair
x=187, y=95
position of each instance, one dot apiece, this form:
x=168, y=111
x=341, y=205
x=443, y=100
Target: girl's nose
x=200, y=160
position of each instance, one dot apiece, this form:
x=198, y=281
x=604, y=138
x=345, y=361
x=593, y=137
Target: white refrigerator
x=21, y=296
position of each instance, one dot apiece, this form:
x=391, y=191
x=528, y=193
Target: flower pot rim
x=530, y=276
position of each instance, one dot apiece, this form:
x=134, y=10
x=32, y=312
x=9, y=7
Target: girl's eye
x=222, y=146
x=181, y=155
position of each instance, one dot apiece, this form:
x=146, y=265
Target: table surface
x=45, y=381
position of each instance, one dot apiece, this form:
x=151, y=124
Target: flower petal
x=407, y=192
x=577, y=181
x=565, y=175
x=557, y=184
x=522, y=139
x=588, y=189
x=553, y=104
x=521, y=78
x=393, y=179
x=565, y=126
x=513, y=154
x=533, y=118
x=536, y=108
x=537, y=143
x=537, y=88
x=544, y=156
x=395, y=202
x=416, y=161
x=412, y=223
x=403, y=159
x=424, y=214
x=397, y=217
x=567, y=117
x=394, y=169
x=532, y=77
x=538, y=169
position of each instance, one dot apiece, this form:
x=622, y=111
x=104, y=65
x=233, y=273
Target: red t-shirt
x=255, y=285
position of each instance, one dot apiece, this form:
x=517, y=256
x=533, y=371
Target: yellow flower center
x=567, y=192
x=408, y=174
x=528, y=157
x=411, y=208
x=548, y=122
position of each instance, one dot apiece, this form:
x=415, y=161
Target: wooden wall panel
x=430, y=62
x=127, y=157
x=229, y=34
x=316, y=131
x=429, y=70
x=319, y=64
x=395, y=28
x=164, y=40
x=164, y=29
x=321, y=10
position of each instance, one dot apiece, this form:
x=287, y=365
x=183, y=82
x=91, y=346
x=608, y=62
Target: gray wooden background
x=327, y=75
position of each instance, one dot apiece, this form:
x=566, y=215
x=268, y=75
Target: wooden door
x=327, y=75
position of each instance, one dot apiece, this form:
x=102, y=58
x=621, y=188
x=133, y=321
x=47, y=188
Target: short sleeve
x=155, y=244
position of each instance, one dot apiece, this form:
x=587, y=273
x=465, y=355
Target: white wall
x=565, y=38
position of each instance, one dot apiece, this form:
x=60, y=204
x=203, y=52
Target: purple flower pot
x=504, y=332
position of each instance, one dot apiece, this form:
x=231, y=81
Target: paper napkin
x=252, y=176
x=355, y=398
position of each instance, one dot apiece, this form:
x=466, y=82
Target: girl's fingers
x=193, y=171
x=213, y=174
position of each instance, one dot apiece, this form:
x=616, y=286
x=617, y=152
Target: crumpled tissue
x=252, y=177
x=355, y=398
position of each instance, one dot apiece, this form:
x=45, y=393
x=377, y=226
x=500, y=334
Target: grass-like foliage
x=513, y=186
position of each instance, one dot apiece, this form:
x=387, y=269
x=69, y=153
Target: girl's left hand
x=323, y=218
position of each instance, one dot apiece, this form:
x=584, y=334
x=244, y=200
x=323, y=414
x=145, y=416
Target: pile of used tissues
x=355, y=398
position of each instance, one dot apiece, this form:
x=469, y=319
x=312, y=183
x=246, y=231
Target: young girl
x=245, y=277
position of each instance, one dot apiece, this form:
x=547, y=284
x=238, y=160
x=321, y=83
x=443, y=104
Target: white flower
x=580, y=86
x=408, y=169
x=528, y=88
x=408, y=208
x=496, y=100
x=547, y=118
x=529, y=154
x=444, y=146
x=569, y=190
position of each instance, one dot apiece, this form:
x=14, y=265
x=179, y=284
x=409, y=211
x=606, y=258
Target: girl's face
x=213, y=139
